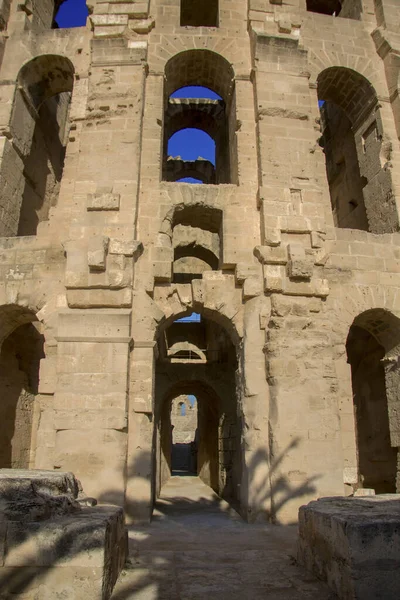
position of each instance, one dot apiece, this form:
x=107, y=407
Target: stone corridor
x=198, y=548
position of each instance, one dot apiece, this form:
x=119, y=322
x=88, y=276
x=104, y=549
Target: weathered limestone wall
x=184, y=421
x=110, y=265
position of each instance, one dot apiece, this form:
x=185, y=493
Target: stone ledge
x=353, y=544
x=50, y=541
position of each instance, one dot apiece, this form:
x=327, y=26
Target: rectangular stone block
x=354, y=544
x=89, y=324
x=106, y=201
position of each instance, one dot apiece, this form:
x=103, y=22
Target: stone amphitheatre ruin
x=288, y=247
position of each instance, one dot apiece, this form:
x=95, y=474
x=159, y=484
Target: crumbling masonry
x=289, y=249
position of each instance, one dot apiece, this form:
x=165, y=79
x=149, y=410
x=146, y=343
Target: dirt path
x=197, y=548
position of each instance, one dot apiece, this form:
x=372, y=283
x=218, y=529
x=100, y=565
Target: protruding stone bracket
x=300, y=263
x=97, y=253
x=132, y=248
x=103, y=199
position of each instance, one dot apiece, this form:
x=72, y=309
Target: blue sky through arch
x=195, y=91
x=191, y=144
x=72, y=13
x=193, y=318
x=189, y=180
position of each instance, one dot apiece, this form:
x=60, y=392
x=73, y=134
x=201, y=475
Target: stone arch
x=213, y=381
x=208, y=69
x=345, y=305
x=185, y=349
x=45, y=76
x=348, y=89
x=353, y=144
x=200, y=169
x=187, y=112
x=369, y=69
x=219, y=317
x=193, y=230
x=201, y=67
x=21, y=350
x=38, y=126
x=197, y=251
x=348, y=304
x=373, y=352
x=13, y=316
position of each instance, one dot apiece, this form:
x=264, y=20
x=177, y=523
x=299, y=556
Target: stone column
x=139, y=496
x=392, y=380
x=90, y=414
x=256, y=478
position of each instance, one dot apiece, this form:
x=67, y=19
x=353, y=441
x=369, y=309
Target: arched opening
x=196, y=241
x=70, y=13
x=214, y=419
x=199, y=13
x=372, y=338
x=342, y=168
x=350, y=9
x=199, y=94
x=352, y=143
x=191, y=152
x=325, y=7
x=21, y=349
x=184, y=435
x=39, y=125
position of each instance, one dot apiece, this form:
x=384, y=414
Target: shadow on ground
x=196, y=547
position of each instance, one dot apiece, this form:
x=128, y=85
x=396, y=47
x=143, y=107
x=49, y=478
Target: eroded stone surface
x=354, y=544
x=51, y=543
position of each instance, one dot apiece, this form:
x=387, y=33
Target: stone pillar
x=392, y=380
x=256, y=485
x=90, y=414
x=140, y=460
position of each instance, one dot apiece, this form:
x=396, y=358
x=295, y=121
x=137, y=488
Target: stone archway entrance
x=207, y=372
x=373, y=347
x=21, y=349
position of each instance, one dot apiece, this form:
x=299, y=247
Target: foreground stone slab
x=353, y=544
x=52, y=545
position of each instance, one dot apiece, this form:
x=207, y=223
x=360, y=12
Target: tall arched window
x=209, y=106
x=38, y=128
x=21, y=350
x=372, y=342
x=360, y=185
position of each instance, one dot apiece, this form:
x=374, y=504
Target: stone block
x=162, y=270
x=142, y=25
x=252, y=287
x=354, y=544
x=126, y=248
x=272, y=237
x=81, y=325
x=300, y=265
x=284, y=26
x=317, y=239
x=99, y=298
x=273, y=284
x=97, y=252
x=103, y=201
x=271, y=255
